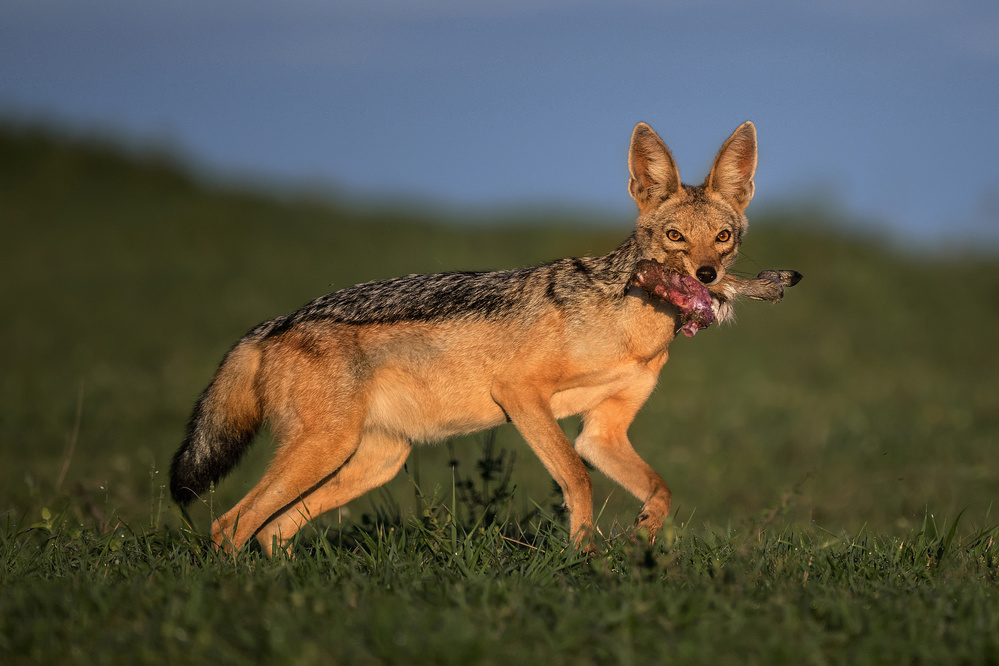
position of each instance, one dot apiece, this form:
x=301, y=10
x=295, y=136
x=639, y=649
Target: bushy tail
x=223, y=423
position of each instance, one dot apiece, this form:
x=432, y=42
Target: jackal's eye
x=674, y=235
x=723, y=236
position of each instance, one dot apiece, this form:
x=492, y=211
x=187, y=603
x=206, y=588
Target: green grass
x=832, y=458
x=433, y=589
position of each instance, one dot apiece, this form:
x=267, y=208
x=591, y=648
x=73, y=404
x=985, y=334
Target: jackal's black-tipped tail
x=223, y=423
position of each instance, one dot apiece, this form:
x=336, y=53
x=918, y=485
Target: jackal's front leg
x=532, y=416
x=767, y=286
x=604, y=442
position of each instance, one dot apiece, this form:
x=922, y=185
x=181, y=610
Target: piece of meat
x=690, y=297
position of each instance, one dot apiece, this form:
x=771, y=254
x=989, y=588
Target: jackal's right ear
x=654, y=177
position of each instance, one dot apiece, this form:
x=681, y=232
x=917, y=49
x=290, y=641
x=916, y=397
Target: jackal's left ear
x=732, y=173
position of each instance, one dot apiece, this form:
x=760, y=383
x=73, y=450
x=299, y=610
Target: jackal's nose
x=706, y=274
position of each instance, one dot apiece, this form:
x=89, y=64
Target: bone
x=769, y=285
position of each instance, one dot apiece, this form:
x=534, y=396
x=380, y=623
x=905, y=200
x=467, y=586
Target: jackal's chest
x=644, y=329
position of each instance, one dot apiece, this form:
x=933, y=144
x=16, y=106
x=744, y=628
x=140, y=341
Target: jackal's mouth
x=684, y=292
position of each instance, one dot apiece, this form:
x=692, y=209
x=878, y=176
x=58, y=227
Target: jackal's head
x=694, y=230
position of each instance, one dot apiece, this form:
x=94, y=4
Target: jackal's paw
x=585, y=546
x=646, y=528
x=683, y=291
x=786, y=278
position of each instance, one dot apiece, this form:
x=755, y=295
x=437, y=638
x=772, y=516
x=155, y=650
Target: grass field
x=832, y=457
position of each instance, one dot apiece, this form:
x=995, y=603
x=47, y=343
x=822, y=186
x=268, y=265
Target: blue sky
x=885, y=108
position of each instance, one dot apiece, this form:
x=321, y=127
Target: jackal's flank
x=352, y=380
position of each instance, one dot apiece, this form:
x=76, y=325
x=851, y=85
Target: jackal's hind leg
x=317, y=448
x=376, y=461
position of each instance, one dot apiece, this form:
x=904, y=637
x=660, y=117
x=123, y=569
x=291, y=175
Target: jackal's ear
x=732, y=174
x=654, y=177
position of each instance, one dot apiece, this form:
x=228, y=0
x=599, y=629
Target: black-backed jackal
x=352, y=380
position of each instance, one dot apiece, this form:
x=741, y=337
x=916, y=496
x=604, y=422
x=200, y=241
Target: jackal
x=352, y=380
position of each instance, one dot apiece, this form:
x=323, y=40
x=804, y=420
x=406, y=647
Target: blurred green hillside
x=125, y=278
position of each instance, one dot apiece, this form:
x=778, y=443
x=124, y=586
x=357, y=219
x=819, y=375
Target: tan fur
x=347, y=397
